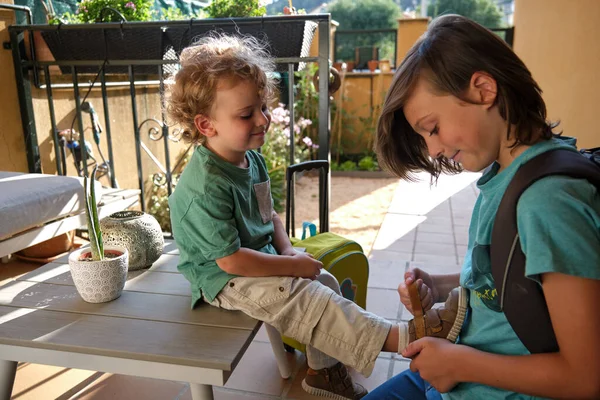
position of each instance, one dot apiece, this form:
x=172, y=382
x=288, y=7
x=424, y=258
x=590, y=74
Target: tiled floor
x=426, y=226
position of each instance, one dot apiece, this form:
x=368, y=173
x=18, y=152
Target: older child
x=462, y=98
x=234, y=249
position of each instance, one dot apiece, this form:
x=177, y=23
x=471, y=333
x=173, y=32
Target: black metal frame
x=25, y=68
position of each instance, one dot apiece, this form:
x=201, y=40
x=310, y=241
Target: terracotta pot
x=384, y=66
x=372, y=64
x=99, y=281
x=349, y=66
x=42, y=51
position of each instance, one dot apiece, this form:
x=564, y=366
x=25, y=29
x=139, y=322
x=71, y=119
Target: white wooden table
x=150, y=331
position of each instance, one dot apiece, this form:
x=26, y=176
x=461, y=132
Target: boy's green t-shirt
x=217, y=208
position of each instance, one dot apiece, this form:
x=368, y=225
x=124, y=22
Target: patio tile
x=400, y=365
x=435, y=227
x=123, y=387
x=386, y=274
x=36, y=381
x=434, y=237
x=228, y=394
x=394, y=228
x=380, y=374
x=438, y=249
x=431, y=258
x=385, y=255
x=383, y=302
x=265, y=379
x=461, y=238
x=461, y=250
x=436, y=268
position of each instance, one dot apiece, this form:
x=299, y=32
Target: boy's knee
x=329, y=280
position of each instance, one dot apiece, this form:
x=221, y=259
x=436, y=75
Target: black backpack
x=522, y=299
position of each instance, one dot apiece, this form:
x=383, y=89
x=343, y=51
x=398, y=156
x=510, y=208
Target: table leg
x=8, y=370
x=201, y=392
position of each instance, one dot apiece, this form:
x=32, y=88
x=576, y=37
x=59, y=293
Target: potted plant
x=121, y=39
x=99, y=272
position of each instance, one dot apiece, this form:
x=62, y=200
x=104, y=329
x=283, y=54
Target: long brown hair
x=447, y=55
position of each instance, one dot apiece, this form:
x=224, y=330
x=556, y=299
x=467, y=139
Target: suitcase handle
x=306, y=166
x=323, y=167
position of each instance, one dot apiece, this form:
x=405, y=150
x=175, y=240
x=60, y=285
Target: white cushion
x=30, y=200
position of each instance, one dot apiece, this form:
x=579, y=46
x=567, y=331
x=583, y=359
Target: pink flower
x=130, y=5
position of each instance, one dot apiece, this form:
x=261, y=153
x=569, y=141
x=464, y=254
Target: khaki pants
x=332, y=327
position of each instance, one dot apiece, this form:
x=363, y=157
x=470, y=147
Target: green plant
x=235, y=8
x=368, y=163
x=276, y=149
x=176, y=14
x=102, y=10
x=158, y=204
x=91, y=212
x=345, y=166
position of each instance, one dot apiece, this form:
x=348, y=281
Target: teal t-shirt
x=217, y=208
x=558, y=219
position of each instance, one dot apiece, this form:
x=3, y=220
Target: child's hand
x=437, y=361
x=305, y=266
x=427, y=291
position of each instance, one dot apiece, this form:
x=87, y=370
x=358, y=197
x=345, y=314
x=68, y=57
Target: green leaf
x=92, y=217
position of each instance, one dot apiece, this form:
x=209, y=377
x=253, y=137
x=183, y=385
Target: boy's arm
x=570, y=373
x=248, y=262
x=281, y=242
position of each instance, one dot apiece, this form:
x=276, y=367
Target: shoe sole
x=463, y=299
x=321, y=392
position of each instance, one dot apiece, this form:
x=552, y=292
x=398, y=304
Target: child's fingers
x=410, y=276
x=427, y=301
x=404, y=296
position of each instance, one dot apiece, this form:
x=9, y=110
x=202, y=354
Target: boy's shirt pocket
x=265, y=203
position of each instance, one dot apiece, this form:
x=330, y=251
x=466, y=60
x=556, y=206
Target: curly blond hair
x=210, y=59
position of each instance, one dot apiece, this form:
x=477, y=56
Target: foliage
x=276, y=149
x=176, y=14
x=235, y=8
x=91, y=213
x=365, y=14
x=485, y=12
x=276, y=7
x=368, y=163
x=96, y=11
x=345, y=166
x=158, y=205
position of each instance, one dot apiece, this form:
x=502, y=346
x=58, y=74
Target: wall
x=363, y=95
x=558, y=41
x=12, y=145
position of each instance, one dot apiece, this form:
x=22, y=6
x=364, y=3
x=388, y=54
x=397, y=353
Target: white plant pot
x=99, y=281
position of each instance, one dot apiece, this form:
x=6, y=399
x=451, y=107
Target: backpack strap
x=522, y=299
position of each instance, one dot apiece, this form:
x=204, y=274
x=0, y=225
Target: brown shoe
x=333, y=383
x=444, y=322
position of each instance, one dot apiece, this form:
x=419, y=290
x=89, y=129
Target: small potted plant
x=99, y=272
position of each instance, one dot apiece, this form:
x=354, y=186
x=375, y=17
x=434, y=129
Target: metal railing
x=508, y=34
x=28, y=69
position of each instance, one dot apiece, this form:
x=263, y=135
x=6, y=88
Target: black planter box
x=157, y=41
